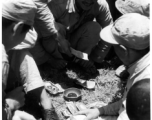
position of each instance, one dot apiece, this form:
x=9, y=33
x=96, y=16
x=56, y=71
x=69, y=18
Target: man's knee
x=50, y=45
x=93, y=27
x=92, y=30
x=39, y=53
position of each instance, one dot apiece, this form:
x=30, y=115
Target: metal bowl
x=72, y=94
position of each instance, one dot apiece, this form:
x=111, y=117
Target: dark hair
x=6, y=23
x=138, y=100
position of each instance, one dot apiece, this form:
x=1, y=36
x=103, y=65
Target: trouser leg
x=86, y=37
x=24, y=69
x=39, y=54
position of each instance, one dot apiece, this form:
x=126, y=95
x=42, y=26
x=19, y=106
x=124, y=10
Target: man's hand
x=15, y=99
x=64, y=45
x=20, y=115
x=90, y=113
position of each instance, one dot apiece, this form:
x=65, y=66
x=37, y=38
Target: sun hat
x=133, y=6
x=19, y=10
x=130, y=30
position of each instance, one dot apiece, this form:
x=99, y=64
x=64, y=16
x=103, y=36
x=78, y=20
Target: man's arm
x=111, y=109
x=6, y=113
x=104, y=17
x=44, y=20
x=45, y=24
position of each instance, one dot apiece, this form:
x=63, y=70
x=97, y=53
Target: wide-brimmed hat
x=130, y=30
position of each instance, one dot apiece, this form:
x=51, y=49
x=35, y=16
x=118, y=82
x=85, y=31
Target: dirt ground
x=109, y=88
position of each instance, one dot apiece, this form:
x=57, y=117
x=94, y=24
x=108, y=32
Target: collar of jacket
x=139, y=65
x=70, y=6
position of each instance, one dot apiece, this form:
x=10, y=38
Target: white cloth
x=28, y=42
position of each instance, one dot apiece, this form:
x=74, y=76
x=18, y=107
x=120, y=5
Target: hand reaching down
x=15, y=99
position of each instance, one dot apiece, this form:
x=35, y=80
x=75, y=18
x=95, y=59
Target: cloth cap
x=130, y=30
x=19, y=10
x=133, y=6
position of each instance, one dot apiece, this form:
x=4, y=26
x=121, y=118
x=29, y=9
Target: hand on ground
x=87, y=65
x=15, y=99
x=57, y=63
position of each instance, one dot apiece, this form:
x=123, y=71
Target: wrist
x=9, y=111
x=101, y=111
x=10, y=105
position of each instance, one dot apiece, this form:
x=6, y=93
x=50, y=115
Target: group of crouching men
x=35, y=32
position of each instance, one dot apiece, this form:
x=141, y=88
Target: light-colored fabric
x=44, y=20
x=134, y=6
x=6, y=113
x=28, y=42
x=24, y=68
x=138, y=71
x=128, y=30
x=107, y=118
x=4, y=55
x=19, y=10
x=5, y=67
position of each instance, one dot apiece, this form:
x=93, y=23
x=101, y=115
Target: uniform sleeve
x=44, y=20
x=112, y=109
x=104, y=17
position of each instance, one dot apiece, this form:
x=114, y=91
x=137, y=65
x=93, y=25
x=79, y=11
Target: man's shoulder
x=58, y=1
x=102, y=3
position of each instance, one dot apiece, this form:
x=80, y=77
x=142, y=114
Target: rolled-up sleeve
x=44, y=20
x=104, y=17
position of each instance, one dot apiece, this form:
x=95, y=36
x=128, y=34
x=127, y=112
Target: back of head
x=138, y=100
x=134, y=6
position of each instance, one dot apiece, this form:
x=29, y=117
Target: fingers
x=84, y=112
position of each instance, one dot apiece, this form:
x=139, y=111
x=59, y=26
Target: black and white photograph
x=75, y=60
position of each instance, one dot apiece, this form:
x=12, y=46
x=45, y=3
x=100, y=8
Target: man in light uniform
x=130, y=37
